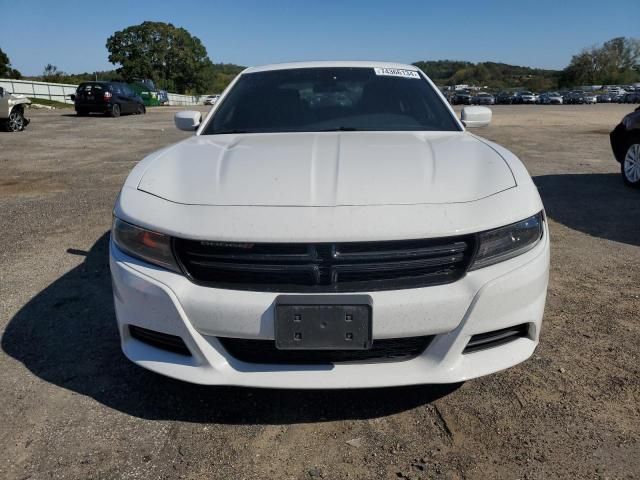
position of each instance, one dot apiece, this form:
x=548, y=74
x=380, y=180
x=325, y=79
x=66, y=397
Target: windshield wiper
x=339, y=129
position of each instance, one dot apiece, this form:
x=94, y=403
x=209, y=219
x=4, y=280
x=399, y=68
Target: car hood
x=327, y=169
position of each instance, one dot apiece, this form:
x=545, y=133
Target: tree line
x=489, y=74
x=6, y=70
x=177, y=61
x=616, y=62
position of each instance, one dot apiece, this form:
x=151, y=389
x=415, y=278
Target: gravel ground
x=71, y=406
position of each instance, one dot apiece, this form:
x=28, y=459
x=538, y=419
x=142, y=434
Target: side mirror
x=189, y=120
x=476, y=116
x=72, y=97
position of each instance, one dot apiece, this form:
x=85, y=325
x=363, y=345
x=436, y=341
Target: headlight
x=144, y=244
x=507, y=242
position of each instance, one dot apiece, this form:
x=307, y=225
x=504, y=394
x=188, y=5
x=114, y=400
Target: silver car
x=211, y=99
x=550, y=98
x=483, y=99
x=525, y=97
x=12, y=117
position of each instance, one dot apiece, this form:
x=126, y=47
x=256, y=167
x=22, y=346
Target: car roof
x=102, y=82
x=329, y=64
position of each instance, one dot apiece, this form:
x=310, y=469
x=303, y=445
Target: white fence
x=52, y=91
x=177, y=99
x=60, y=92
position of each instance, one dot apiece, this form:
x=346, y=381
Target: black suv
x=506, y=98
x=631, y=97
x=110, y=98
x=461, y=97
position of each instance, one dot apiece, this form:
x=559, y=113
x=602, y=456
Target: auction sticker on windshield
x=396, y=72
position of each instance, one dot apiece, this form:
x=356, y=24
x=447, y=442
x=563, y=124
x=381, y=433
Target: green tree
x=52, y=74
x=223, y=74
x=491, y=74
x=6, y=70
x=617, y=61
x=170, y=56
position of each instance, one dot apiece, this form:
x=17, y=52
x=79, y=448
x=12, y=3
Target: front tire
x=141, y=110
x=16, y=121
x=115, y=111
x=630, y=166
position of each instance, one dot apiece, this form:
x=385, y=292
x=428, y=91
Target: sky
x=72, y=34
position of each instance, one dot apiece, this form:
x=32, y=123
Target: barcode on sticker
x=396, y=72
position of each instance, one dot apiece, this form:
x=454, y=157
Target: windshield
x=331, y=99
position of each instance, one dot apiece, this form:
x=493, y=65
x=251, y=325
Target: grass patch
x=50, y=103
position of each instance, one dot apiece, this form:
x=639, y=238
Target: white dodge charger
x=330, y=225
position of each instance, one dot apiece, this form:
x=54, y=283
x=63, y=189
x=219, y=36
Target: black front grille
x=325, y=267
x=265, y=351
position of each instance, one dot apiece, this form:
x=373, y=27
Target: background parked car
x=616, y=91
x=12, y=106
x=603, y=98
x=575, y=97
x=462, y=97
x=550, y=98
x=589, y=99
x=625, y=143
x=109, y=98
x=211, y=99
x=483, y=98
x=506, y=98
x=525, y=97
x=163, y=97
x=448, y=95
x=631, y=97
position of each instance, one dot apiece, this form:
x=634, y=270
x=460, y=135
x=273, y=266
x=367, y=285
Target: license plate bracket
x=323, y=322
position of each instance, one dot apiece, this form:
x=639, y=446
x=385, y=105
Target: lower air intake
x=164, y=341
x=496, y=338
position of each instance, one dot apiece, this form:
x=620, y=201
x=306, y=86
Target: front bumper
x=503, y=295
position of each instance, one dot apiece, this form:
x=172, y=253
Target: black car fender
x=621, y=135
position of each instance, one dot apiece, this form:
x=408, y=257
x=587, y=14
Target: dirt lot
x=72, y=407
